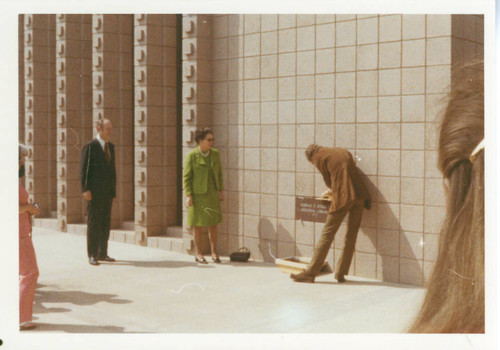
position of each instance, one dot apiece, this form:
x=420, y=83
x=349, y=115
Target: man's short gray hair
x=311, y=150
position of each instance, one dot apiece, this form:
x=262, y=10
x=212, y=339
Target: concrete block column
x=197, y=91
x=112, y=75
x=74, y=110
x=40, y=114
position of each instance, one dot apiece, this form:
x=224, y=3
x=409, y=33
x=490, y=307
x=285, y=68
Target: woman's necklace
x=205, y=154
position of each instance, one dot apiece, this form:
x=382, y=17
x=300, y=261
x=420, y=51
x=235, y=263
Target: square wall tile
x=431, y=136
x=388, y=216
x=366, y=135
x=220, y=48
x=269, y=135
x=367, y=31
x=412, y=163
x=390, y=55
x=345, y=110
x=251, y=227
x=304, y=232
x=325, y=86
x=439, y=25
x=412, y=218
x=434, y=192
x=305, y=111
x=220, y=26
x=286, y=183
x=345, y=84
x=251, y=181
x=413, y=81
x=269, y=112
x=285, y=249
x=325, y=61
x=252, y=90
x=325, y=36
x=431, y=247
x=269, y=182
x=302, y=164
x=305, y=135
x=235, y=24
x=305, y=62
x=252, y=44
x=345, y=136
x=367, y=57
x=388, y=189
x=325, y=135
x=305, y=38
x=366, y=161
x=235, y=47
x=411, y=245
x=438, y=51
x=389, y=163
x=286, y=88
x=413, y=108
x=252, y=23
x=366, y=265
x=269, y=66
x=304, y=184
x=367, y=240
x=235, y=136
x=389, y=82
x=286, y=206
x=343, y=18
x=412, y=190
x=269, y=43
x=269, y=89
x=252, y=158
x=389, y=135
x=366, y=109
x=287, y=40
x=252, y=135
x=345, y=59
x=390, y=28
x=388, y=268
x=287, y=21
x=304, y=250
x=438, y=79
x=252, y=203
x=413, y=53
x=411, y=271
x=287, y=64
x=324, y=18
x=305, y=87
x=305, y=20
x=413, y=136
x=286, y=231
x=252, y=67
x=235, y=69
x=346, y=34
x=413, y=27
x=286, y=159
x=325, y=111
x=252, y=113
x=431, y=165
x=389, y=109
x=269, y=159
x=286, y=135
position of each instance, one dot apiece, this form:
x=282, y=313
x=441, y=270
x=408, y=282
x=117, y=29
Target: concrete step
x=128, y=226
x=174, y=244
x=79, y=229
x=174, y=231
x=47, y=223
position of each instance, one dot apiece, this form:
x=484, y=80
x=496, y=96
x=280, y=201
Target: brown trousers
x=332, y=224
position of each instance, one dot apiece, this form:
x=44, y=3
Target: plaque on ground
x=311, y=209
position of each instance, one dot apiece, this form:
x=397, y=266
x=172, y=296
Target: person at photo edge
x=203, y=185
x=455, y=299
x=28, y=267
x=349, y=195
x=98, y=182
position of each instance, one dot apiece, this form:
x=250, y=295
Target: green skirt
x=206, y=210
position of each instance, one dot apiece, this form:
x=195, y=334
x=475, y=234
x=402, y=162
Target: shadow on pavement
x=368, y=283
x=248, y=264
x=76, y=328
x=157, y=264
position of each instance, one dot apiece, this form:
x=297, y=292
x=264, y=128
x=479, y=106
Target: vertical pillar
x=74, y=110
x=112, y=99
x=40, y=132
x=197, y=88
x=155, y=124
x=21, y=75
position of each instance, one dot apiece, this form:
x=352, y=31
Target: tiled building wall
x=372, y=84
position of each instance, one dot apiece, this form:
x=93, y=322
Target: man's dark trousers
x=98, y=226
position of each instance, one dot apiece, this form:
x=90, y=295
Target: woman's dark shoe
x=200, y=260
x=302, y=277
x=340, y=278
x=216, y=259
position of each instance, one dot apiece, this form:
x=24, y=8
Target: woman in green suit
x=203, y=186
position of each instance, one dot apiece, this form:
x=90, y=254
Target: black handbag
x=242, y=255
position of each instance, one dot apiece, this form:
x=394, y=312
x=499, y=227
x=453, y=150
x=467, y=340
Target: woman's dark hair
x=200, y=134
x=454, y=302
x=311, y=150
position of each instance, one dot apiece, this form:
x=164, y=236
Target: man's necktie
x=106, y=150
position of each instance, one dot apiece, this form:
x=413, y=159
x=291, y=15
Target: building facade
x=268, y=86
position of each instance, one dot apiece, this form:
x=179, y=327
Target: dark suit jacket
x=96, y=174
x=341, y=175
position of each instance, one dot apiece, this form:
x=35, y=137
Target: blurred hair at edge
x=454, y=302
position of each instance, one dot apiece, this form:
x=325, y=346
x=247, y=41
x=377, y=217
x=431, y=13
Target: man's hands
x=190, y=201
x=87, y=195
x=33, y=210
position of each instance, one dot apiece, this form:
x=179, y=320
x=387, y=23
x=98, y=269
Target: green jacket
x=196, y=172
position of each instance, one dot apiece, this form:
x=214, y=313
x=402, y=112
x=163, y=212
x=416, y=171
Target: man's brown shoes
x=302, y=277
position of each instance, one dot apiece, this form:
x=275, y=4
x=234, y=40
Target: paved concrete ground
x=156, y=291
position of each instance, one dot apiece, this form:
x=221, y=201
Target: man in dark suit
x=98, y=180
x=349, y=195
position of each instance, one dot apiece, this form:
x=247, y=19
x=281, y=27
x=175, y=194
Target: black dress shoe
x=302, y=277
x=107, y=258
x=93, y=261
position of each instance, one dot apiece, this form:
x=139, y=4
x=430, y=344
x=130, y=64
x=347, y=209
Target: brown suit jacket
x=341, y=175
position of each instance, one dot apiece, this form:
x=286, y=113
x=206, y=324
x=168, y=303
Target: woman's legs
x=197, y=240
x=212, y=234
